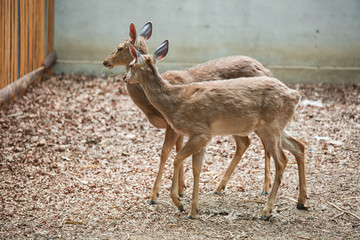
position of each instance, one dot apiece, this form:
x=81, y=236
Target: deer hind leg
x=170, y=139
x=181, y=186
x=267, y=177
x=272, y=142
x=194, y=145
x=242, y=143
x=197, y=161
x=298, y=150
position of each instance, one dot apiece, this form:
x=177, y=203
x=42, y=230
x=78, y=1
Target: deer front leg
x=193, y=145
x=197, y=161
x=170, y=139
x=242, y=143
x=280, y=164
x=272, y=142
x=267, y=178
x=298, y=150
x=181, y=187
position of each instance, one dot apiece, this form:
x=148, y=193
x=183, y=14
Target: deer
x=217, y=69
x=237, y=107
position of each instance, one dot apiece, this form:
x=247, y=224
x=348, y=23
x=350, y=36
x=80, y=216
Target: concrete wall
x=300, y=40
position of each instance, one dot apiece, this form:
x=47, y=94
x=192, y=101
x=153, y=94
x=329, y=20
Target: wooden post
x=50, y=30
x=20, y=85
x=23, y=42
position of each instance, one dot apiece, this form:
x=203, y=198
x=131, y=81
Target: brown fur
x=221, y=68
x=228, y=107
x=122, y=57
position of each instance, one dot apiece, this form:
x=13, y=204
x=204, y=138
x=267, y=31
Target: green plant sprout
x=111, y=74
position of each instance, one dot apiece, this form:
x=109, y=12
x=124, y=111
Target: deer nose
x=106, y=64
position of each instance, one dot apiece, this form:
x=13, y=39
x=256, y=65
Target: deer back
x=229, y=107
x=218, y=69
x=237, y=106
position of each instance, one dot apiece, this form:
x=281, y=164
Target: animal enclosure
x=26, y=37
x=91, y=157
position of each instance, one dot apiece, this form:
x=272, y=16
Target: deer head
x=144, y=64
x=121, y=54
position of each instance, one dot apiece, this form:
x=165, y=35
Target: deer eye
x=120, y=49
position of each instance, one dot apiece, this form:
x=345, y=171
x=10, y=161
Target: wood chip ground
x=78, y=160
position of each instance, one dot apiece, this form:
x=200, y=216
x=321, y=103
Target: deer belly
x=239, y=127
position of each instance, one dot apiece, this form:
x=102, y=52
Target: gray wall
x=300, y=41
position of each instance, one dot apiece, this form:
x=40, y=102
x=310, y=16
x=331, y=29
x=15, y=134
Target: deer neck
x=160, y=93
x=127, y=68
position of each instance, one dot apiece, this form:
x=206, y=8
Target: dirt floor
x=78, y=160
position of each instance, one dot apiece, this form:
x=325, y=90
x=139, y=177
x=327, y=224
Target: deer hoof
x=180, y=194
x=301, y=206
x=181, y=208
x=264, y=193
x=151, y=202
x=265, y=218
x=215, y=193
x=190, y=217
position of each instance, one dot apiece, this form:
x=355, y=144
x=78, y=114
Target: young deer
x=222, y=68
x=229, y=107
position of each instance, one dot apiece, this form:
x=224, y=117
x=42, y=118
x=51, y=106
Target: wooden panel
x=2, y=43
x=7, y=41
x=25, y=37
x=29, y=65
x=50, y=29
x=42, y=50
x=14, y=40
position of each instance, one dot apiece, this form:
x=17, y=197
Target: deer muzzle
x=107, y=64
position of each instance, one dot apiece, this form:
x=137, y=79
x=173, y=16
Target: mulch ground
x=78, y=160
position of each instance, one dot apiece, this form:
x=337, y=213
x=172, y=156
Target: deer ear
x=146, y=31
x=132, y=33
x=135, y=53
x=161, y=51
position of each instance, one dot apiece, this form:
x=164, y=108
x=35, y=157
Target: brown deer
x=222, y=68
x=237, y=107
